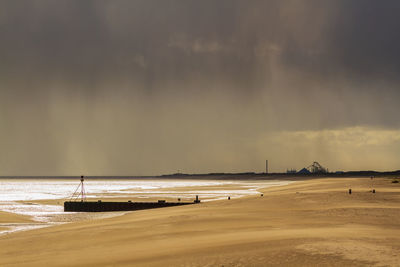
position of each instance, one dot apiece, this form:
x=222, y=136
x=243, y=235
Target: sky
x=148, y=87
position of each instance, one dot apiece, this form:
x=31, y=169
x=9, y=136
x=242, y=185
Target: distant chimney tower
x=266, y=166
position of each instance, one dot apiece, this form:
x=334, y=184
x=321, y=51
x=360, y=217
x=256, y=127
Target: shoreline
x=170, y=194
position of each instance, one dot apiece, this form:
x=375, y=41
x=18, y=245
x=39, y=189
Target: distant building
x=304, y=171
x=291, y=171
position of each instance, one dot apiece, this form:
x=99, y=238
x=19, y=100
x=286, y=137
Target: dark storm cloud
x=151, y=40
x=368, y=37
x=123, y=84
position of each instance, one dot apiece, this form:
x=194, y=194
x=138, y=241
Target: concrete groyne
x=100, y=206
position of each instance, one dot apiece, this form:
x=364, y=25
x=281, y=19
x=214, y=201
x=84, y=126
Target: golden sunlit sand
x=307, y=223
x=7, y=217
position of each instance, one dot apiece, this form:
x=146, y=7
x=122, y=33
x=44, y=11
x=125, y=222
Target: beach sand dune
x=8, y=217
x=308, y=223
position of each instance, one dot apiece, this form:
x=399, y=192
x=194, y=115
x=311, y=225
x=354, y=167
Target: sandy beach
x=307, y=223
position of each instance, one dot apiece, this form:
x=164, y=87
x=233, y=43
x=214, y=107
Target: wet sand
x=308, y=223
